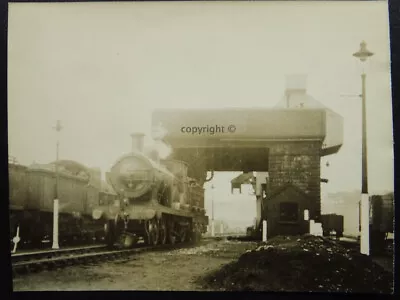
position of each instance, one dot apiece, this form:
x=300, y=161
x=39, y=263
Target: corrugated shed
x=245, y=178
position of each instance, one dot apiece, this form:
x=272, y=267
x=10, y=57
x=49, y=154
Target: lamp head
x=363, y=53
x=58, y=126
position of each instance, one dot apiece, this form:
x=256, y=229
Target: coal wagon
x=381, y=221
x=32, y=191
x=332, y=222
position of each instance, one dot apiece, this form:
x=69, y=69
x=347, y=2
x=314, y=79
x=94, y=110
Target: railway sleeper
x=79, y=260
x=34, y=268
x=112, y=256
x=91, y=262
x=54, y=264
x=19, y=270
x=89, y=259
x=15, y=272
x=58, y=264
x=76, y=260
x=26, y=270
x=70, y=262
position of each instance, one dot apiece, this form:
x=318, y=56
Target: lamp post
x=55, y=245
x=363, y=54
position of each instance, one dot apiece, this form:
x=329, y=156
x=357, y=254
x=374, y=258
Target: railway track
x=24, y=263
x=43, y=254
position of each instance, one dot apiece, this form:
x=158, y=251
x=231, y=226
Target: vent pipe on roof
x=296, y=82
x=137, y=142
x=295, y=91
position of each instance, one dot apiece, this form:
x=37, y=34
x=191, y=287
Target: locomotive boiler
x=157, y=201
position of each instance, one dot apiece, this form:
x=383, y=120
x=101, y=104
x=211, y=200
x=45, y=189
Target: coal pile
x=302, y=264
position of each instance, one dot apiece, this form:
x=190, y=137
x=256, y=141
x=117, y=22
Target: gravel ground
x=167, y=270
x=283, y=264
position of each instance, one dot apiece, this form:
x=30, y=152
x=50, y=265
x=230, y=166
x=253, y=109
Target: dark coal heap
x=303, y=264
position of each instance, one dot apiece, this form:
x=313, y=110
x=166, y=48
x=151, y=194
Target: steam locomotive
x=32, y=190
x=157, y=201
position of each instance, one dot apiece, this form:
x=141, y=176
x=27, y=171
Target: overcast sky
x=102, y=67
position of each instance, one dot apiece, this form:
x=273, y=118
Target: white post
x=318, y=229
x=364, y=247
x=58, y=128
x=312, y=227
x=212, y=211
x=16, y=240
x=264, y=232
x=55, y=225
x=306, y=215
x=221, y=228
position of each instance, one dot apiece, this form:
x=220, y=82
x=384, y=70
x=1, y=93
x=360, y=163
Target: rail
x=41, y=260
x=39, y=254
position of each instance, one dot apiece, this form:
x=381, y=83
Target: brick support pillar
x=298, y=163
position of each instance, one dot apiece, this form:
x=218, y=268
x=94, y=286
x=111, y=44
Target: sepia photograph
x=201, y=146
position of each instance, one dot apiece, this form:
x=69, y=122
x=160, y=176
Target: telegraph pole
x=57, y=128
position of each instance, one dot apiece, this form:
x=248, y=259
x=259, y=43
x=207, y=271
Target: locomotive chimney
x=158, y=145
x=137, y=142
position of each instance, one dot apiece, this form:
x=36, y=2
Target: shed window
x=288, y=212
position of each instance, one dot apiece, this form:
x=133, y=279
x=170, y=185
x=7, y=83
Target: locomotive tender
x=157, y=201
x=32, y=191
